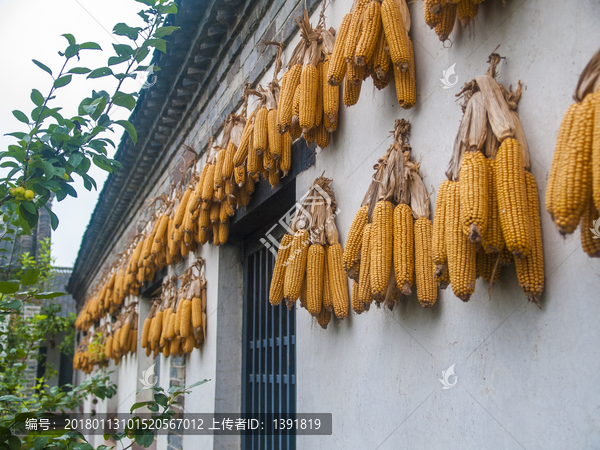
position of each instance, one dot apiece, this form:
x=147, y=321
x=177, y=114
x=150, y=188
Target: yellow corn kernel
x=322, y=138
x=327, y=299
x=364, y=280
x=381, y=248
x=319, y=106
x=406, y=88
x=492, y=240
x=466, y=11
x=309, y=86
x=461, y=251
x=296, y=267
x=530, y=269
x=314, y=279
x=446, y=21
x=351, y=91
x=285, y=163
x=404, y=247
x=277, y=280
x=473, y=184
x=242, y=152
x=260, y=135
x=574, y=175
x=228, y=162
x=381, y=60
x=509, y=178
x=439, y=254
x=357, y=306
x=275, y=144
x=354, y=242
x=323, y=318
x=395, y=34
x=337, y=62
x=431, y=18
x=424, y=266
x=370, y=29
x=146, y=331
x=223, y=232
x=338, y=280
x=596, y=150
x=354, y=29
x=286, y=100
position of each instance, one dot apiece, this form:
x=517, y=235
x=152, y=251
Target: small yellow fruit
x=12, y=191
x=29, y=194
x=19, y=191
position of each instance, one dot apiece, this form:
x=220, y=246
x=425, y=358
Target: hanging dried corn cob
x=488, y=213
x=573, y=194
x=443, y=14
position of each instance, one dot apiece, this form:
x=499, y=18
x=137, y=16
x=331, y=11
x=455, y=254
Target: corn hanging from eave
x=438, y=252
x=354, y=29
x=322, y=136
x=403, y=253
x=406, y=87
x=431, y=18
x=573, y=182
x=424, y=266
x=461, y=251
x=530, y=269
x=492, y=240
x=446, y=21
x=285, y=163
x=354, y=242
x=309, y=86
x=319, y=105
x=338, y=280
x=228, y=161
x=381, y=60
x=260, y=135
x=466, y=11
x=473, y=184
x=242, y=152
x=331, y=95
x=314, y=279
x=364, y=280
x=381, y=248
x=286, y=99
x=337, y=62
x=596, y=150
x=509, y=178
x=369, y=33
x=275, y=144
x=351, y=91
x=357, y=306
x=296, y=268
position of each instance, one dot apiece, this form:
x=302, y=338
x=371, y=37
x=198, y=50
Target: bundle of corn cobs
x=443, y=14
x=121, y=337
x=389, y=240
x=373, y=40
x=308, y=106
x=309, y=263
x=90, y=352
x=177, y=323
x=487, y=212
x=574, y=183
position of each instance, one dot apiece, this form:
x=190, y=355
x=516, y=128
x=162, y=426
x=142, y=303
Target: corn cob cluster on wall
x=309, y=263
x=308, y=105
x=108, y=341
x=373, y=41
x=176, y=324
x=487, y=211
x=573, y=195
x=442, y=15
x=389, y=245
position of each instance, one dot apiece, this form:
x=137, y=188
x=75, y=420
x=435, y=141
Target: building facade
x=525, y=377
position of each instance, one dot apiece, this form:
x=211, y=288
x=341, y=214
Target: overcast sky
x=31, y=29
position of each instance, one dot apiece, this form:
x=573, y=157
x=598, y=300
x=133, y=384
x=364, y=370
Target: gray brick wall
x=177, y=378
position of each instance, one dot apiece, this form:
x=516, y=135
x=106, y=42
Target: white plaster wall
x=526, y=377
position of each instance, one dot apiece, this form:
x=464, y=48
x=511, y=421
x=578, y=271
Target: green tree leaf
x=30, y=277
x=36, y=97
x=79, y=70
x=124, y=100
x=123, y=49
x=90, y=46
x=21, y=117
x=69, y=38
x=48, y=169
x=144, y=438
x=116, y=60
x=164, y=31
x=122, y=29
x=8, y=287
x=101, y=72
x=71, y=50
x=129, y=128
x=53, y=218
x=44, y=67
x=47, y=295
x=62, y=81
x=158, y=44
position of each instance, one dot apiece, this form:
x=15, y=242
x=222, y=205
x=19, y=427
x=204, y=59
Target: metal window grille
x=269, y=352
